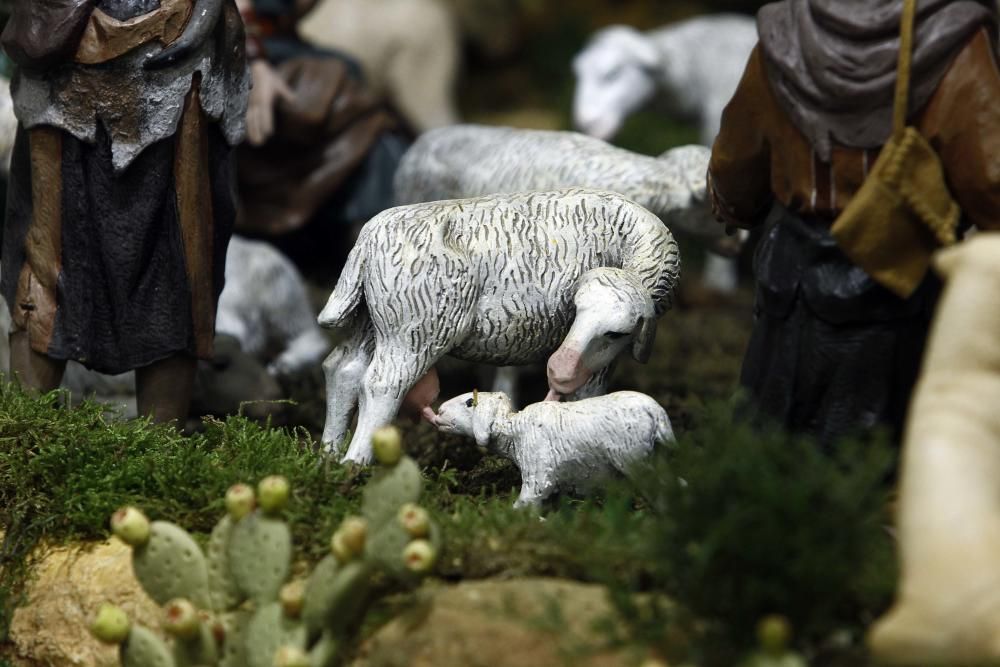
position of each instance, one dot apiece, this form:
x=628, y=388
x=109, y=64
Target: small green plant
x=233, y=606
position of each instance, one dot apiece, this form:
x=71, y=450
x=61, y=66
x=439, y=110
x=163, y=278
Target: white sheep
x=476, y=160
x=266, y=308
x=691, y=67
x=504, y=280
x=560, y=446
x=408, y=51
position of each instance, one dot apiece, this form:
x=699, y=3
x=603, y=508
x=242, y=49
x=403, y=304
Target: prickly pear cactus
x=233, y=607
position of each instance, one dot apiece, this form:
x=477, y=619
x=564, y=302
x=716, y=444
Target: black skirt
x=832, y=353
x=123, y=297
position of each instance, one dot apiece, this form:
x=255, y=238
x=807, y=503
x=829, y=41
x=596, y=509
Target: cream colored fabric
x=948, y=609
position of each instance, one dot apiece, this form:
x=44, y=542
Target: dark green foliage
x=753, y=523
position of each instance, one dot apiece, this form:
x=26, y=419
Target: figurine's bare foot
x=33, y=370
x=934, y=634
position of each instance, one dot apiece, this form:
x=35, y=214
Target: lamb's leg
x=344, y=369
x=533, y=492
x=304, y=350
x=389, y=378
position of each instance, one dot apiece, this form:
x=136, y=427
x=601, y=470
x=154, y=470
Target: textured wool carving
x=507, y=280
x=561, y=446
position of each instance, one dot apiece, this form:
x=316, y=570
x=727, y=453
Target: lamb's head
x=616, y=75
x=472, y=415
x=613, y=310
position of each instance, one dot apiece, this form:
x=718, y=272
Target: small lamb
x=560, y=445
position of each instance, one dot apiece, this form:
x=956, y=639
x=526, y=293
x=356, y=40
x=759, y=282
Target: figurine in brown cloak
x=833, y=351
x=121, y=193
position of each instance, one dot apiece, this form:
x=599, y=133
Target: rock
x=499, y=624
x=67, y=587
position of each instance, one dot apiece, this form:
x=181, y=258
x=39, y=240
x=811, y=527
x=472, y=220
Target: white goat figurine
x=692, y=67
x=507, y=280
x=476, y=160
x=560, y=446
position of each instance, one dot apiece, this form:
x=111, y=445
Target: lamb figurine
x=574, y=276
x=560, y=446
x=476, y=160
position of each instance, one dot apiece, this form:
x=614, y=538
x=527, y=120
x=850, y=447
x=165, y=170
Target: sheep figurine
x=476, y=160
x=560, y=446
x=692, y=67
x=408, y=49
x=574, y=276
x=266, y=308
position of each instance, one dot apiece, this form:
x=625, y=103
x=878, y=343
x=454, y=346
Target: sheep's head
x=613, y=310
x=615, y=77
x=472, y=415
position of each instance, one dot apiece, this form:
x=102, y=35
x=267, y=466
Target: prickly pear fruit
x=272, y=494
x=130, y=526
x=170, y=565
x=180, y=619
x=110, y=625
x=260, y=556
x=293, y=598
x=200, y=649
x=774, y=632
x=348, y=542
x=240, y=501
x=389, y=489
x=387, y=444
x=291, y=656
x=414, y=520
x=268, y=631
x=144, y=649
x=419, y=556
x=223, y=591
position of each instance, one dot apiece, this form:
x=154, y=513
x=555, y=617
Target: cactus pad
x=390, y=489
x=269, y=630
x=171, y=565
x=144, y=649
x=201, y=650
x=233, y=648
x=224, y=592
x=260, y=556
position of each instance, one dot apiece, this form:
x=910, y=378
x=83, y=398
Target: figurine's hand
x=204, y=17
x=268, y=87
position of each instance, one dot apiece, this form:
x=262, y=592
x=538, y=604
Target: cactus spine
x=247, y=613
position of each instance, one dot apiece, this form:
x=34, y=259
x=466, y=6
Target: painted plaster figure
x=476, y=160
x=948, y=603
x=409, y=52
x=266, y=308
x=561, y=446
x=120, y=202
x=833, y=352
x=321, y=146
x=572, y=276
x=690, y=69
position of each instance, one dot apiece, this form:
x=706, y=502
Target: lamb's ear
x=483, y=416
x=642, y=346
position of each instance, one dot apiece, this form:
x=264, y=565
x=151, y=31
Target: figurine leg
x=386, y=382
x=506, y=380
x=720, y=273
x=344, y=369
x=163, y=389
x=33, y=370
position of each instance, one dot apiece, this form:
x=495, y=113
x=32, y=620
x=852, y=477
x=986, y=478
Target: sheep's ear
x=482, y=423
x=642, y=346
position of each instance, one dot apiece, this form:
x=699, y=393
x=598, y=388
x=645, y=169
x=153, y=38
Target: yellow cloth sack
x=903, y=212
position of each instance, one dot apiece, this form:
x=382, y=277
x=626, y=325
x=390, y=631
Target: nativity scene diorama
x=303, y=242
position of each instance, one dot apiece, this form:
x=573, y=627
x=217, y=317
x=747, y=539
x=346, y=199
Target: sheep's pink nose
x=566, y=371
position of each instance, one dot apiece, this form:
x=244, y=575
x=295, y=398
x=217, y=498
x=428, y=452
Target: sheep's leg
x=387, y=381
x=344, y=369
x=304, y=350
x=506, y=380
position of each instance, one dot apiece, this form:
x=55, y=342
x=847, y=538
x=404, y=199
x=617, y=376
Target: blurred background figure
x=407, y=49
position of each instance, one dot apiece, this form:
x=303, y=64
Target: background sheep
x=266, y=308
x=476, y=160
x=500, y=280
x=691, y=68
x=560, y=445
x=408, y=49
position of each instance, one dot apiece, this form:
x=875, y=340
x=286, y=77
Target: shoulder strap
x=902, y=101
